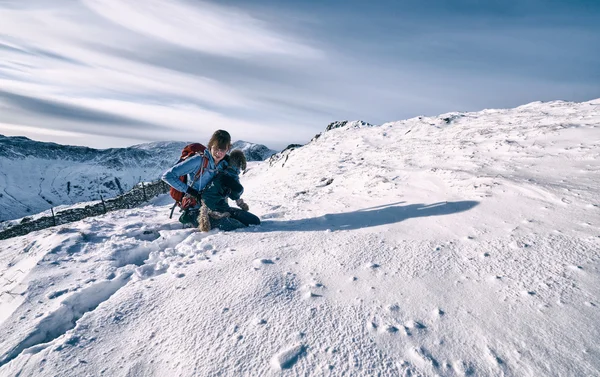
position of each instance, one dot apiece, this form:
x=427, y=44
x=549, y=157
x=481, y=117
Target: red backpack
x=188, y=151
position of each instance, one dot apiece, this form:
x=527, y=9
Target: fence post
x=53, y=217
x=103, y=205
x=144, y=191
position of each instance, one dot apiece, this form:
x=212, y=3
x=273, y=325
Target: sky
x=113, y=73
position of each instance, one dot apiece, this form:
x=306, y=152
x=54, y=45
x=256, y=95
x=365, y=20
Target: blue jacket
x=226, y=184
x=190, y=167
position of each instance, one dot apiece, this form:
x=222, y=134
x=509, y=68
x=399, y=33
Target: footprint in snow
x=462, y=368
x=310, y=294
x=388, y=329
x=423, y=358
x=407, y=368
x=207, y=247
x=261, y=262
x=372, y=326
x=411, y=326
x=260, y=321
x=393, y=308
x=494, y=358
x=575, y=268
x=288, y=357
x=528, y=293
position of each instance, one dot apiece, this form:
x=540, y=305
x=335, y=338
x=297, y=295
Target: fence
x=139, y=194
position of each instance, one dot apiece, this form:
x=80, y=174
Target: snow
x=463, y=244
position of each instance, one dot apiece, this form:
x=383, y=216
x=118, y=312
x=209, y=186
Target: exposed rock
x=348, y=124
x=283, y=155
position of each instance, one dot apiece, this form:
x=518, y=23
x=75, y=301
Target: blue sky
x=108, y=73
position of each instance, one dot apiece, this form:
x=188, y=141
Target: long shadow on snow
x=368, y=217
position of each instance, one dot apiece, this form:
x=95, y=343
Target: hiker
x=199, y=170
x=215, y=211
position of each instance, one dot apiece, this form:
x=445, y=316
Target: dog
x=237, y=159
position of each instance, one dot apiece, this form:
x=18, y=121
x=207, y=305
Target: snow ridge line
x=66, y=316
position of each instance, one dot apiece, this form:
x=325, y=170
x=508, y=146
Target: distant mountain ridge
x=19, y=147
x=253, y=152
x=35, y=176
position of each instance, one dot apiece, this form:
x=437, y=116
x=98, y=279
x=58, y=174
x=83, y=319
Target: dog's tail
x=203, y=218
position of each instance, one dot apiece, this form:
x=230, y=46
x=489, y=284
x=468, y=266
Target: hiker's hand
x=240, y=203
x=193, y=193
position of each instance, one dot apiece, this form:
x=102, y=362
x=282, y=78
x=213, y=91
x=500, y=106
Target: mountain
x=465, y=244
x=35, y=176
x=253, y=152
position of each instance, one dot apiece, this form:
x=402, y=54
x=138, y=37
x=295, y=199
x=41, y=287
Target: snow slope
x=464, y=244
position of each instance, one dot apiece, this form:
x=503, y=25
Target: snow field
x=446, y=250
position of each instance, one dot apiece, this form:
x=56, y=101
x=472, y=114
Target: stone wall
x=140, y=194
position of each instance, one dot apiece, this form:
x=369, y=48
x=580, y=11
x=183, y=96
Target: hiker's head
x=237, y=159
x=219, y=145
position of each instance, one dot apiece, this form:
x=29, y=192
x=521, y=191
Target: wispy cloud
x=55, y=68
x=71, y=112
x=206, y=27
x=127, y=71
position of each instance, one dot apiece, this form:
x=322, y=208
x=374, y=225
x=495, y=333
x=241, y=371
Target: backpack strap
x=200, y=171
x=203, y=167
x=186, y=200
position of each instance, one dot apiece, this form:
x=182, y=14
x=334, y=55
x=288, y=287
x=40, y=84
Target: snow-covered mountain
x=253, y=152
x=35, y=176
x=466, y=244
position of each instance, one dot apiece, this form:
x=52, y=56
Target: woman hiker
x=200, y=173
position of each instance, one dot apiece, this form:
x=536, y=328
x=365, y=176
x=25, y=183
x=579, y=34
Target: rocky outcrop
x=348, y=124
x=283, y=155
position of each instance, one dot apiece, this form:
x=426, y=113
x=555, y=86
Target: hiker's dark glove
x=242, y=205
x=193, y=193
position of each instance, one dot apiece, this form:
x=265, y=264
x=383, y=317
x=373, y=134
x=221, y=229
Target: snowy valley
x=466, y=244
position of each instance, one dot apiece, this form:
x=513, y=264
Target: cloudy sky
x=110, y=73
